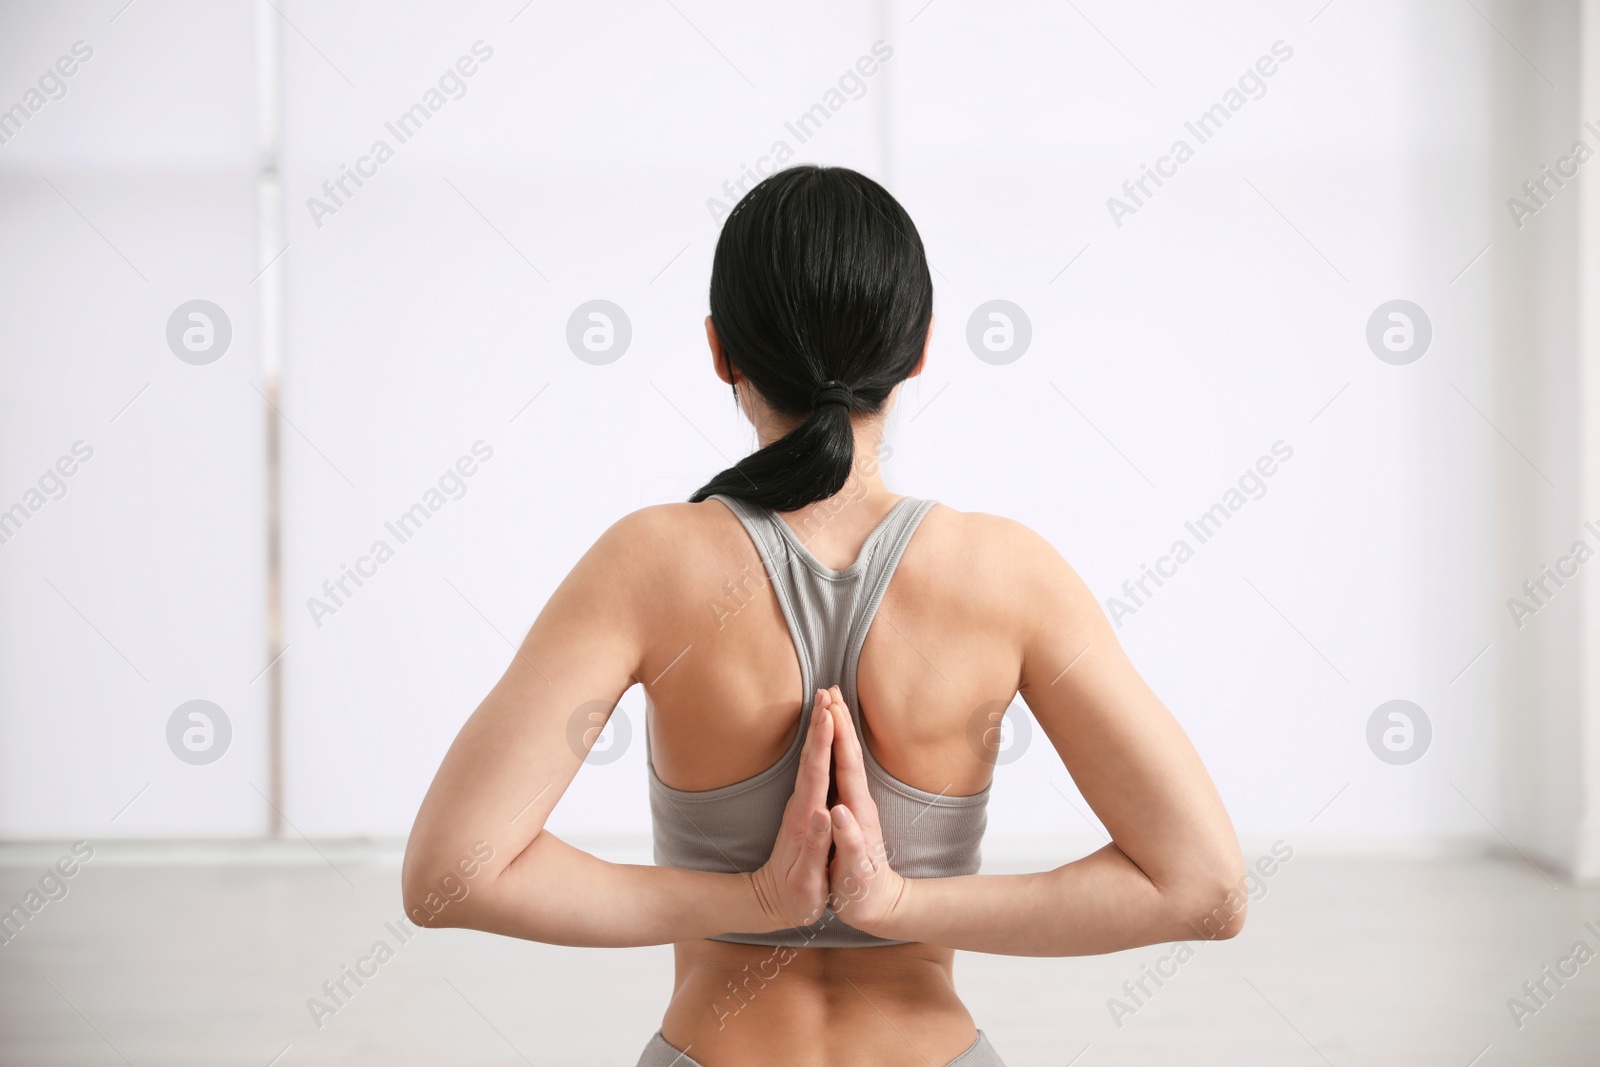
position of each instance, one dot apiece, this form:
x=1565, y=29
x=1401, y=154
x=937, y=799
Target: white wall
x=1221, y=317
x=418, y=326
x=144, y=586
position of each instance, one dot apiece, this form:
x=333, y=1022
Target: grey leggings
x=660, y=1054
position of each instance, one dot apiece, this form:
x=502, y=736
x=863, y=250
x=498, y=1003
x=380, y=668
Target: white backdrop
x=426, y=310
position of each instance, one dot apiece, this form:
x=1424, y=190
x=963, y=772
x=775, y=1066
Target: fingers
x=812, y=855
x=819, y=832
x=850, y=839
x=808, y=806
x=811, y=783
x=848, y=760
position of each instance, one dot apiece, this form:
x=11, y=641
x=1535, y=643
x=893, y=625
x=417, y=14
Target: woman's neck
x=863, y=500
x=864, y=495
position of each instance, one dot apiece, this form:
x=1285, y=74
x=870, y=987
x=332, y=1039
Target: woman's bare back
x=726, y=699
x=939, y=663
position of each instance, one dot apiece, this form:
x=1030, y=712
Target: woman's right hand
x=791, y=888
x=867, y=891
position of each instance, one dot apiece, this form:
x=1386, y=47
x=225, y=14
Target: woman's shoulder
x=663, y=527
x=987, y=540
x=669, y=539
x=993, y=573
x=990, y=562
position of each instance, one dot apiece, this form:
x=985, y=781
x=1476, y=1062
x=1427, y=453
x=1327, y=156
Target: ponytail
x=809, y=463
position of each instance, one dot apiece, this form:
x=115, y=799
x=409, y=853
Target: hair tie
x=831, y=391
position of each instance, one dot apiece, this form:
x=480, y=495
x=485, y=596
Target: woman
x=819, y=735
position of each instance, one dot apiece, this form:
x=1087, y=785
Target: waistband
x=659, y=1053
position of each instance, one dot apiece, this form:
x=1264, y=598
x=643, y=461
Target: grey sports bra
x=733, y=828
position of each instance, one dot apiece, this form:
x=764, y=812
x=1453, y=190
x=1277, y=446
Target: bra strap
x=880, y=570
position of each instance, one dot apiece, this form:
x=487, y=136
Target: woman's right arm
x=1172, y=871
x=479, y=855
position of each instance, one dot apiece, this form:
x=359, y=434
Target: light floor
x=198, y=961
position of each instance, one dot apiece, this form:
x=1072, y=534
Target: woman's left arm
x=479, y=855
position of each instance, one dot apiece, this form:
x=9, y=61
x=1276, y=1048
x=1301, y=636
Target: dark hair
x=821, y=298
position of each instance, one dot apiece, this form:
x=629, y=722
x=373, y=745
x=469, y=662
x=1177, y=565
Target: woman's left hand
x=866, y=889
x=792, y=887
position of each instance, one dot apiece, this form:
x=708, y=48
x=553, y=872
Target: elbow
x=1225, y=917
x=419, y=898
x=438, y=892
x=420, y=891
x=1214, y=905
